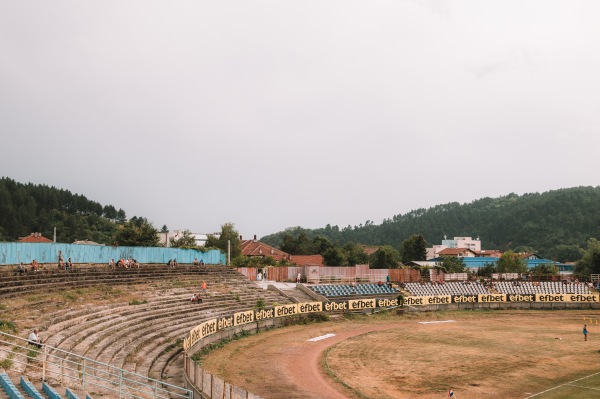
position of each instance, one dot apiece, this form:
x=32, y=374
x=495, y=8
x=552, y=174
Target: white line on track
x=321, y=337
x=436, y=322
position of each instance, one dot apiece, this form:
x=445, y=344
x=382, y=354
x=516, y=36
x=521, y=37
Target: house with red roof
x=35, y=237
x=458, y=252
x=254, y=248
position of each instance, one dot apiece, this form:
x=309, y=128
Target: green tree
x=545, y=269
x=300, y=245
x=186, y=240
x=510, y=262
x=385, y=257
x=568, y=253
x=321, y=244
x=452, y=264
x=121, y=217
x=228, y=235
x=355, y=254
x=487, y=270
x=334, y=256
x=110, y=212
x=137, y=232
x=590, y=263
x=414, y=248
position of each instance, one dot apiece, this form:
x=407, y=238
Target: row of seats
x=31, y=391
x=446, y=288
x=333, y=290
x=544, y=287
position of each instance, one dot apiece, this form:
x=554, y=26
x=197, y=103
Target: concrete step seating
x=11, y=285
x=145, y=338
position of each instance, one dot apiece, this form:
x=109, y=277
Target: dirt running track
x=482, y=355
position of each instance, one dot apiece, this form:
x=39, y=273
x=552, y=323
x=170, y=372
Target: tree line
x=27, y=208
x=556, y=224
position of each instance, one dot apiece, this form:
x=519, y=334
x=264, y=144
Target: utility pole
x=228, y=252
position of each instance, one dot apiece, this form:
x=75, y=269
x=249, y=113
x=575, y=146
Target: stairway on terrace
x=144, y=335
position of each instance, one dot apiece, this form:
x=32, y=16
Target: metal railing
x=79, y=372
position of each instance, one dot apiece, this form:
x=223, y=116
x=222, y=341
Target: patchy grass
x=480, y=354
x=8, y=327
x=6, y=364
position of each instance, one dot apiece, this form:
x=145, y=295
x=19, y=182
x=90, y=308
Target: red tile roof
x=34, y=237
x=257, y=248
x=307, y=260
x=489, y=253
x=454, y=251
x=369, y=250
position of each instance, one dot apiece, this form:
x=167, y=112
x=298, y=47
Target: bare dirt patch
x=509, y=354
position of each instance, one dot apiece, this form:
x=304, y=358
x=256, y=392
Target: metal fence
x=12, y=253
x=79, y=372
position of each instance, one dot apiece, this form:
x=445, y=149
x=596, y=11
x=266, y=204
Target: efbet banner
x=250, y=316
x=500, y=298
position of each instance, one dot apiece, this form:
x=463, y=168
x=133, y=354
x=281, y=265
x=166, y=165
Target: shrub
x=8, y=327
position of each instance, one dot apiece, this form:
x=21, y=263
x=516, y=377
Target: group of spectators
x=197, y=298
x=125, y=263
x=34, y=266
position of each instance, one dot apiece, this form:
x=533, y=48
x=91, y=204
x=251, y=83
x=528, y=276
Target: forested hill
x=554, y=224
x=27, y=208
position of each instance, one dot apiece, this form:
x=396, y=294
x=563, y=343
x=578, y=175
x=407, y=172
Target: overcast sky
x=273, y=114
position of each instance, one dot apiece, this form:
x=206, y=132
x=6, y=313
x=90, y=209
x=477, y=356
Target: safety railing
x=73, y=370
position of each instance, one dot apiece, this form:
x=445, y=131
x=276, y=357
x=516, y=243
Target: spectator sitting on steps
x=34, y=266
x=34, y=338
x=21, y=269
x=196, y=298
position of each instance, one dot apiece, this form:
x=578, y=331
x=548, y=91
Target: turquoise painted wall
x=12, y=253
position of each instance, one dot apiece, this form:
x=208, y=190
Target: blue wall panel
x=12, y=253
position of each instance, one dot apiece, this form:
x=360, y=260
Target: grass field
x=482, y=354
x=581, y=388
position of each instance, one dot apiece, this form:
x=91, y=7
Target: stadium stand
x=447, y=288
x=9, y=388
x=345, y=290
x=50, y=392
x=143, y=338
x=543, y=287
x=30, y=389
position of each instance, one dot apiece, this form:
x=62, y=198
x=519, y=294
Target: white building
x=457, y=242
x=200, y=238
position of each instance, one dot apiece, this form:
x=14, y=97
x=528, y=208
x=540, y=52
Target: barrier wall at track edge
x=206, y=385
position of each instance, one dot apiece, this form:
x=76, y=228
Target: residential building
x=35, y=237
x=457, y=242
x=458, y=252
x=164, y=239
x=256, y=248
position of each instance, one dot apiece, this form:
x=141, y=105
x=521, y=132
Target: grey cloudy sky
x=272, y=114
